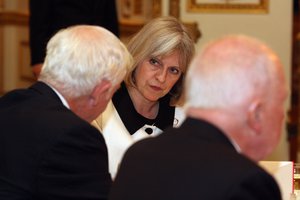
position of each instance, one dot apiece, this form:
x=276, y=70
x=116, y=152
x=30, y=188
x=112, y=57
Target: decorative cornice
x=14, y=18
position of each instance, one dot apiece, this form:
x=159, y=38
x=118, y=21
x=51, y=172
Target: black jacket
x=195, y=161
x=48, y=152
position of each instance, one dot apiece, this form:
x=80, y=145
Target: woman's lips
x=156, y=88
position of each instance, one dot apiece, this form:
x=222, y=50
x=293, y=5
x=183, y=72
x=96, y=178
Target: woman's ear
x=100, y=92
x=255, y=112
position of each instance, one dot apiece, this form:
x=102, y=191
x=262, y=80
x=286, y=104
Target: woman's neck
x=146, y=108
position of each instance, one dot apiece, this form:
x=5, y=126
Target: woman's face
x=155, y=77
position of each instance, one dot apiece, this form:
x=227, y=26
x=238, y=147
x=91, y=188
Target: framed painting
x=228, y=6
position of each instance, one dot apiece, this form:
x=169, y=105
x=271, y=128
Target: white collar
x=63, y=100
x=236, y=146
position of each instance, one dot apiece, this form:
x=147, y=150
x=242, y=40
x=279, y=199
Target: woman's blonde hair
x=162, y=36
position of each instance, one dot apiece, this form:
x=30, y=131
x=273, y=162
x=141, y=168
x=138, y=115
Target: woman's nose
x=161, y=75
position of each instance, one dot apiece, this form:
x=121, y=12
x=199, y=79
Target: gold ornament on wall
x=228, y=6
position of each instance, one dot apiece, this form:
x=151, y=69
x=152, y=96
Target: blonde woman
x=146, y=102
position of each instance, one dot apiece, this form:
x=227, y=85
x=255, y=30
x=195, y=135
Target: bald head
x=238, y=81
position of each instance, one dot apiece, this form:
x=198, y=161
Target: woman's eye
x=154, y=61
x=174, y=70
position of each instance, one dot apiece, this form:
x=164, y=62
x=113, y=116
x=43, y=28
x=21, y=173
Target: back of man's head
x=80, y=57
x=239, y=83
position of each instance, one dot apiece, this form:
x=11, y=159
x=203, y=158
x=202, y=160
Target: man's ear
x=255, y=117
x=102, y=90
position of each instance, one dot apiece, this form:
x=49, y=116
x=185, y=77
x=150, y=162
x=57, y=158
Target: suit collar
x=206, y=131
x=45, y=90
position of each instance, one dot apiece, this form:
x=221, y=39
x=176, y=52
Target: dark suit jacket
x=195, y=161
x=48, y=152
x=49, y=16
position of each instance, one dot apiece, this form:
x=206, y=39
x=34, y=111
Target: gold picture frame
x=228, y=6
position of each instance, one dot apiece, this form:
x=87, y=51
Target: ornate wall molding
x=14, y=18
x=174, y=10
x=19, y=20
x=228, y=6
x=130, y=26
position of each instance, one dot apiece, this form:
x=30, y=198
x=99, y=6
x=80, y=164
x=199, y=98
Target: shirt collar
x=63, y=100
x=236, y=146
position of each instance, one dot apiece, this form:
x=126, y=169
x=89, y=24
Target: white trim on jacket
x=118, y=139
